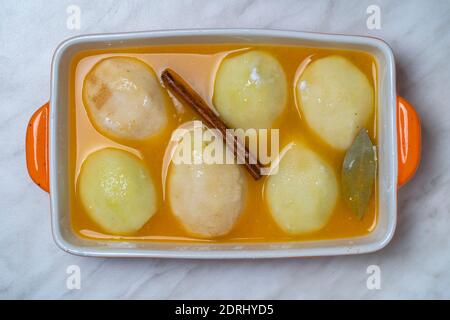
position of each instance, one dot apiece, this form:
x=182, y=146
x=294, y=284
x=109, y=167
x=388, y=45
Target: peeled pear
x=206, y=198
x=117, y=191
x=302, y=194
x=124, y=99
x=336, y=99
x=250, y=90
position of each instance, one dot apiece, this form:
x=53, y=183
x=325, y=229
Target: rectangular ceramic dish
x=48, y=151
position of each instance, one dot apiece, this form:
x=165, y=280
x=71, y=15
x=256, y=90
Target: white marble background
x=415, y=265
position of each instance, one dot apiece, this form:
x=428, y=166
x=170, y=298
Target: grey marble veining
x=416, y=264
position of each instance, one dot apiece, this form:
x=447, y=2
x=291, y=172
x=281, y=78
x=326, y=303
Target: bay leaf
x=358, y=173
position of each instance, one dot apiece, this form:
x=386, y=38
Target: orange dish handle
x=408, y=140
x=37, y=147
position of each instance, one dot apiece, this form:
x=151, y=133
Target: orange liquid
x=197, y=64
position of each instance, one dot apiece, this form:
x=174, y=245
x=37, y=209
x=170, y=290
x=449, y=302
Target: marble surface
x=416, y=264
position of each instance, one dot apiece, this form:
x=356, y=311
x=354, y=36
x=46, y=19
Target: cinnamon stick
x=186, y=93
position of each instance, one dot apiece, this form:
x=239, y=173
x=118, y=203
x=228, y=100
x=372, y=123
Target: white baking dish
x=58, y=152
